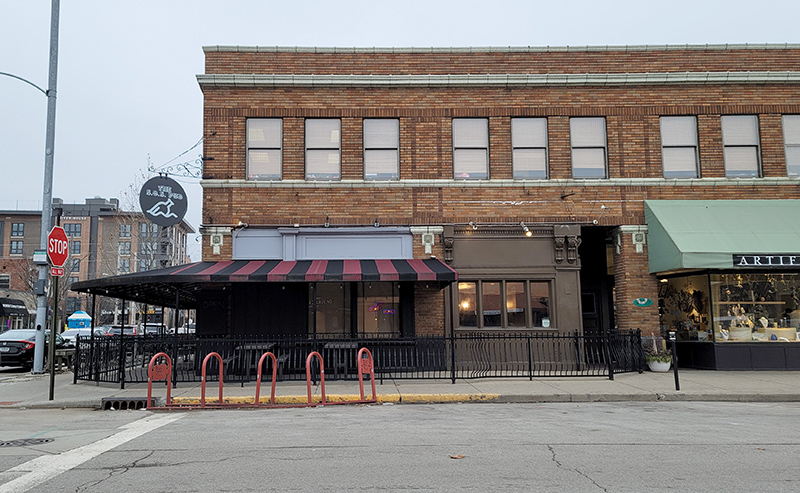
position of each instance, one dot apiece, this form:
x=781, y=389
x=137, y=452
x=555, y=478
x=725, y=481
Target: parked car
x=69, y=335
x=186, y=329
x=130, y=330
x=17, y=347
x=151, y=329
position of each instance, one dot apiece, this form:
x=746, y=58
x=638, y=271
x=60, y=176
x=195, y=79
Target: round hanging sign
x=642, y=302
x=163, y=201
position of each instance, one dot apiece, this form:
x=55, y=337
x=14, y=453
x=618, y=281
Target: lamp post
x=47, y=192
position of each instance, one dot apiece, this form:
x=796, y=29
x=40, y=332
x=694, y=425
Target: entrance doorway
x=597, y=280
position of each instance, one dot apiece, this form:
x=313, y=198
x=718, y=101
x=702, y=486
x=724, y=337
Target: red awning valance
x=164, y=286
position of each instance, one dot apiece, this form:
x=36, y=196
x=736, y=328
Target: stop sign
x=57, y=246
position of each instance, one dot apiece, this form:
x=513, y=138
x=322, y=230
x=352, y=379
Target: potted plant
x=657, y=356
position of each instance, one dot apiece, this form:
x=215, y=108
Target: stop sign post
x=57, y=249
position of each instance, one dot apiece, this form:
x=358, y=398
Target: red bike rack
x=158, y=373
x=321, y=377
x=257, y=402
x=203, y=387
x=364, y=365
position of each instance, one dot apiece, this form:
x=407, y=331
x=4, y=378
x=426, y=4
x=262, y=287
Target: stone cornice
x=612, y=182
x=498, y=80
x=501, y=49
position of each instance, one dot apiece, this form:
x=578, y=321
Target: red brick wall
x=632, y=280
x=498, y=62
x=429, y=306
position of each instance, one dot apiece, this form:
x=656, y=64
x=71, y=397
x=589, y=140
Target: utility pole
x=47, y=192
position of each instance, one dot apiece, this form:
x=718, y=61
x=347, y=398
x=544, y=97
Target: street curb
x=442, y=398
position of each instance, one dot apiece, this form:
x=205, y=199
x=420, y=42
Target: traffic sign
x=57, y=271
x=57, y=246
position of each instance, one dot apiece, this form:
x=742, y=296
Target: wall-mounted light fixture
x=242, y=225
x=327, y=222
x=376, y=223
x=474, y=226
x=525, y=229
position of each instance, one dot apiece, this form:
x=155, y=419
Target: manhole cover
x=25, y=442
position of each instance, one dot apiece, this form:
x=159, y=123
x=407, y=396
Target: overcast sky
x=127, y=94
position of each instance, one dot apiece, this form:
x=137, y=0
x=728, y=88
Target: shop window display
x=732, y=307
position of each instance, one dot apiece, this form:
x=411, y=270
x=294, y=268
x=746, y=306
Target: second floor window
x=471, y=148
x=588, y=141
x=791, y=142
x=381, y=149
x=72, y=229
x=264, y=146
x=679, y=146
x=124, y=265
x=124, y=247
x=17, y=229
x=740, y=146
x=16, y=247
x=529, y=144
x=323, y=149
x=124, y=230
x=74, y=247
x=74, y=265
x=5, y=281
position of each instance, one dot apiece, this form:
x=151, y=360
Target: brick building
x=104, y=241
x=570, y=189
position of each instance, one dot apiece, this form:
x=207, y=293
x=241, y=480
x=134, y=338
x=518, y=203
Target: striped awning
x=183, y=282
x=315, y=270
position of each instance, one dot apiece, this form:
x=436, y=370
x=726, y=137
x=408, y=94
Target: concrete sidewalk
x=29, y=391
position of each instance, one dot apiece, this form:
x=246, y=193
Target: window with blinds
x=471, y=148
x=264, y=148
x=381, y=149
x=740, y=146
x=529, y=148
x=323, y=149
x=679, y=146
x=791, y=144
x=588, y=142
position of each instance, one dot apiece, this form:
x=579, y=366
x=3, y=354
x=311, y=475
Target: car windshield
x=19, y=335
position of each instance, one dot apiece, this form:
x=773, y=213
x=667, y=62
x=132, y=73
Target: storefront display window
x=732, y=307
x=379, y=309
x=515, y=304
x=504, y=304
x=756, y=307
x=332, y=303
x=492, y=299
x=467, y=304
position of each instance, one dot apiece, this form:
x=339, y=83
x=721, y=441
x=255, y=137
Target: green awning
x=705, y=234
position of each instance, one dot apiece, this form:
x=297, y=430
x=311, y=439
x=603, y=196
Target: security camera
x=594, y=221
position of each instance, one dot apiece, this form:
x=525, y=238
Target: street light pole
x=47, y=192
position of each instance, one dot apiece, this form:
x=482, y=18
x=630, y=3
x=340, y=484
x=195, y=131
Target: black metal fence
x=123, y=359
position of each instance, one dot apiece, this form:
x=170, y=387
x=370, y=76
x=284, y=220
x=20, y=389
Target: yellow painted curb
x=389, y=398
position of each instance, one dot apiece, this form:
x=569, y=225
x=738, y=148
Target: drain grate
x=118, y=404
x=25, y=442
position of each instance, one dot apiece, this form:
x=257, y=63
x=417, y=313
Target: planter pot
x=659, y=366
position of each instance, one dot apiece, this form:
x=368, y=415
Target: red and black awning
x=314, y=271
x=162, y=286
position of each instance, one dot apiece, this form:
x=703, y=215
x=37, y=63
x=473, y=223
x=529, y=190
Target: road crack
x=577, y=471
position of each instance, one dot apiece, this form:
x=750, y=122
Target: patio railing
x=123, y=359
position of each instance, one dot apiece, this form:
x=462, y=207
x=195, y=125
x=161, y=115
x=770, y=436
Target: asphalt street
x=615, y=447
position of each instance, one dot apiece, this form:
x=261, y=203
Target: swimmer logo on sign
x=163, y=201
